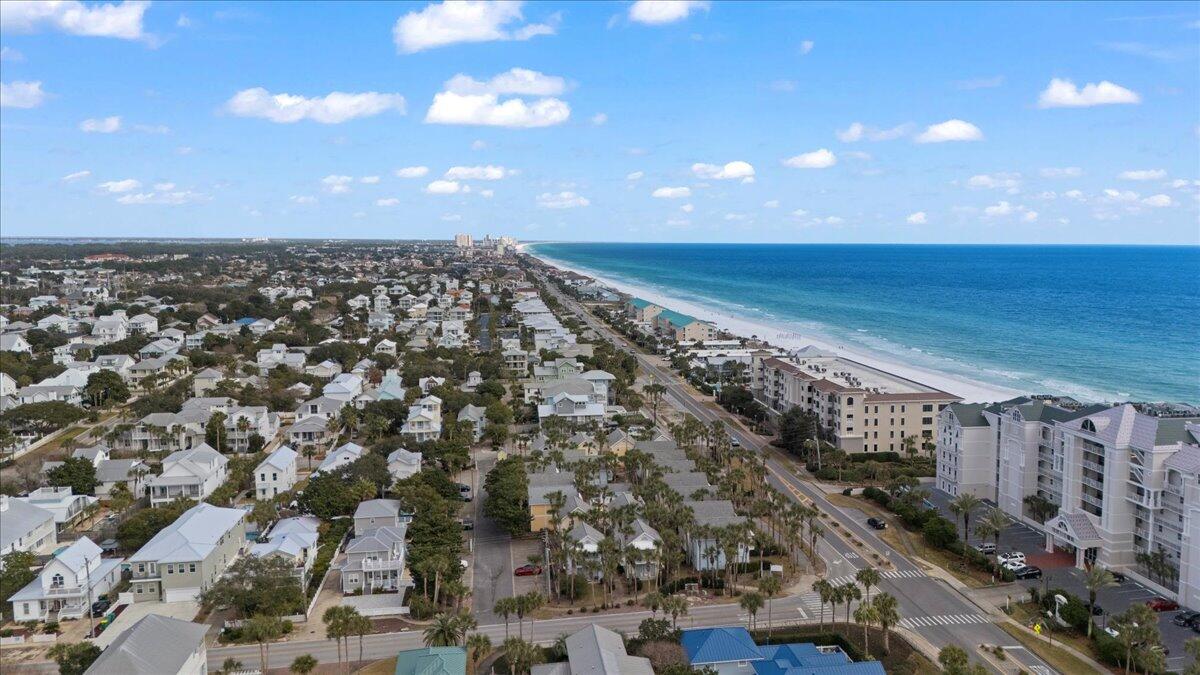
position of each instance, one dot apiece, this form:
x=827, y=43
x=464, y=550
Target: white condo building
x=1123, y=487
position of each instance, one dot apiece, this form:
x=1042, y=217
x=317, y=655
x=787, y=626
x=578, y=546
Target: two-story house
x=294, y=540
x=276, y=473
x=67, y=585
x=193, y=474
x=25, y=527
x=189, y=555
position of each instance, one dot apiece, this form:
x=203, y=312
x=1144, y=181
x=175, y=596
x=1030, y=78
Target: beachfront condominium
x=462, y=240
x=863, y=408
x=1109, y=484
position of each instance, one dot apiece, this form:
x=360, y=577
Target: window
x=139, y=589
x=170, y=569
x=56, y=581
x=928, y=407
x=926, y=420
x=192, y=567
x=141, y=568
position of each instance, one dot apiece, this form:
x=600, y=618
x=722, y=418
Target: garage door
x=181, y=594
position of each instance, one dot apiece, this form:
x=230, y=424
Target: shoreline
x=788, y=338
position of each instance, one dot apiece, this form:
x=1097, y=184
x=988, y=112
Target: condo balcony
x=374, y=564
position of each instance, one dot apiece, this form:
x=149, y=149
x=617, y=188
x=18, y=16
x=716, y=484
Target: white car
x=1011, y=556
x=986, y=548
x=1013, y=565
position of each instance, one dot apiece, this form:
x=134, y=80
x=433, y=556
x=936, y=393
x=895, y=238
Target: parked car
x=1161, y=604
x=877, y=523
x=734, y=442
x=468, y=523
x=986, y=548
x=1097, y=610
x=1011, y=556
x=1118, y=577
x=1111, y=631
x=1186, y=618
x=99, y=607
x=1013, y=565
x=1028, y=572
x=528, y=570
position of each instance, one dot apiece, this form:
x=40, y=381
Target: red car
x=528, y=570
x=1160, y=604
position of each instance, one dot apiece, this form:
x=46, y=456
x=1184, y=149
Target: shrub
x=420, y=607
x=939, y=532
x=848, y=491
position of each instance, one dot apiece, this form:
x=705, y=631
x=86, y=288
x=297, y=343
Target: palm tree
x=230, y=665
x=1094, y=579
x=263, y=629
x=824, y=589
x=962, y=506
x=478, y=647
x=850, y=593
x=445, y=631
x=868, y=577
x=675, y=605
x=336, y=620
x=653, y=601
x=303, y=664
x=751, y=602
x=887, y=613
x=655, y=392
x=359, y=625
x=865, y=615
x=533, y=601
x=505, y=607
x=521, y=655
x=769, y=586
x=992, y=525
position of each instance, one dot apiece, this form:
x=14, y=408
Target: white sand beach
x=787, y=338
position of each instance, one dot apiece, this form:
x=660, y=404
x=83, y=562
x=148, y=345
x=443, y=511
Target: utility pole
x=87, y=570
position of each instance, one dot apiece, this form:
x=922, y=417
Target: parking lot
x=1059, y=571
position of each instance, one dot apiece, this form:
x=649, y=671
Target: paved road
x=939, y=613
x=492, y=569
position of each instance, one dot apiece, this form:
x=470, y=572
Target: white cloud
x=1074, y=194
x=469, y=101
x=411, y=172
x=164, y=187
x=487, y=194
x=917, y=218
x=672, y=192
x=183, y=21
x=333, y=108
x=950, y=130
x=443, y=187
x=21, y=94
x=107, y=125
x=1158, y=201
x=599, y=119
x=997, y=181
x=561, y=200
x=184, y=150
x=9, y=54
x=833, y=220
x=817, y=159
x=736, y=170
x=656, y=12
x=687, y=208
x=170, y=197
x=736, y=217
x=488, y=172
x=799, y=213
x=771, y=204
x=1030, y=216
x=806, y=47
x=1062, y=93
x=303, y=199
x=1061, y=172
x=479, y=145
x=157, y=129
x=120, y=185
x=636, y=175
x=369, y=180
x=122, y=21
x=336, y=185
x=857, y=131
x=1120, y=195
x=448, y=23
x=1002, y=208
x=72, y=177
x=389, y=201
x=519, y=81
x=1143, y=174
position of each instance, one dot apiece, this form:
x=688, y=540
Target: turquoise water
x=1101, y=323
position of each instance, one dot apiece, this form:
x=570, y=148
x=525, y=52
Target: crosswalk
x=943, y=620
x=890, y=574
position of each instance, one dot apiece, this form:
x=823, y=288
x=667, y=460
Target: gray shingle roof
x=152, y=646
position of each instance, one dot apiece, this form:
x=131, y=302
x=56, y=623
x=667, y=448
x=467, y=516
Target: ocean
x=1100, y=323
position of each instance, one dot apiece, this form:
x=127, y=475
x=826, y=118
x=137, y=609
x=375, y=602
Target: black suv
x=1028, y=572
x=877, y=523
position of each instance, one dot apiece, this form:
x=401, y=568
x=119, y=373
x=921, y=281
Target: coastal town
x=455, y=457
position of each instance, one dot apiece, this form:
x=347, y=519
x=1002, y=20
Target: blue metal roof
x=245, y=321
x=677, y=320
x=719, y=645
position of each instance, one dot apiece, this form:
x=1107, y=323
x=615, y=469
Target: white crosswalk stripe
x=903, y=574
x=943, y=620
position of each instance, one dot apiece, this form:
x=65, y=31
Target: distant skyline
x=630, y=121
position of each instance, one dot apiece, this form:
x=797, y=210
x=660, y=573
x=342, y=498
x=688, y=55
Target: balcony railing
x=374, y=564
x=56, y=591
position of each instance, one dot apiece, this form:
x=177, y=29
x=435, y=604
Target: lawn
x=384, y=667
x=1058, y=658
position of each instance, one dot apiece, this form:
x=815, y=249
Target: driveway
x=492, y=563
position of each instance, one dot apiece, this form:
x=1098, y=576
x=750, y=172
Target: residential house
x=206, y=380
x=193, y=474
x=62, y=502
x=424, y=421
x=66, y=586
x=375, y=561
x=189, y=555
x=703, y=550
x=595, y=650
x=344, y=387
x=143, y=324
x=477, y=417
x=404, y=464
x=276, y=473
x=25, y=527
x=155, y=645
x=312, y=430
x=584, y=554
x=242, y=424
x=132, y=473
x=731, y=651
x=376, y=513
x=432, y=661
x=294, y=540
x=340, y=457
x=11, y=342
x=641, y=546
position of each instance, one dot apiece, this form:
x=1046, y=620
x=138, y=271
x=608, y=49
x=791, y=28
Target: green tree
x=446, y=630
x=303, y=664
x=77, y=473
x=769, y=586
x=15, y=574
x=255, y=585
x=866, y=616
x=478, y=648
x=868, y=577
x=1095, y=579
x=962, y=506
x=140, y=527
x=751, y=602
x=796, y=426
x=955, y=661
x=74, y=658
x=263, y=629
x=887, y=613
x=337, y=620
x=104, y=387
x=507, y=486
x=214, y=432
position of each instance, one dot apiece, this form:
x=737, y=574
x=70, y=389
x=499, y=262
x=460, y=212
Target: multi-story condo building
x=1114, y=486
x=864, y=408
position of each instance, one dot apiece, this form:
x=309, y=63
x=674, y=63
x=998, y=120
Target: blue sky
x=817, y=122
